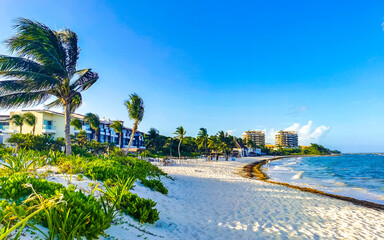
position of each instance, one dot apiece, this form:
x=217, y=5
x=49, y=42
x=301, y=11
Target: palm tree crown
x=94, y=122
x=31, y=120
x=117, y=126
x=77, y=124
x=202, y=139
x=18, y=120
x=45, y=66
x=135, y=106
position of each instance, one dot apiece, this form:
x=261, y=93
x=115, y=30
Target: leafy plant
x=21, y=162
x=139, y=208
x=155, y=185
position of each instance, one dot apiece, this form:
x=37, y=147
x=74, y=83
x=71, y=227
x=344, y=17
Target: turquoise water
x=354, y=175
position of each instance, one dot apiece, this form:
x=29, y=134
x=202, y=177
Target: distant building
x=258, y=137
x=52, y=124
x=287, y=139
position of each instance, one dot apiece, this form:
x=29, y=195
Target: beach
x=209, y=200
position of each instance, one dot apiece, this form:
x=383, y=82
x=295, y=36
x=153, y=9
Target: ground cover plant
x=79, y=214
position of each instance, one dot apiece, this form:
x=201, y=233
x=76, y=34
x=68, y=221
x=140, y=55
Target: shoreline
x=253, y=170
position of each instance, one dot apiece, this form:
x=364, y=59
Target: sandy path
x=209, y=201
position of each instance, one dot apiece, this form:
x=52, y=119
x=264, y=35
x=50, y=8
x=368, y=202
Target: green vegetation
x=135, y=106
x=45, y=67
x=76, y=213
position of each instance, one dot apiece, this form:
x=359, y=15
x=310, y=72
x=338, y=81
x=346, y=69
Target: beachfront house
x=51, y=123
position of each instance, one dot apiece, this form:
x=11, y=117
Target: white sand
x=208, y=200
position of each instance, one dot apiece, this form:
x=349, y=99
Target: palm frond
x=9, y=63
x=69, y=42
x=85, y=80
x=36, y=41
x=135, y=106
x=23, y=99
x=56, y=103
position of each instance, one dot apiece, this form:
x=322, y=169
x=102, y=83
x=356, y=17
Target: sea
x=360, y=176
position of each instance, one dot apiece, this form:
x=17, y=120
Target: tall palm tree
x=94, y=122
x=202, y=139
x=180, y=133
x=77, y=124
x=117, y=126
x=135, y=106
x=31, y=120
x=18, y=120
x=45, y=66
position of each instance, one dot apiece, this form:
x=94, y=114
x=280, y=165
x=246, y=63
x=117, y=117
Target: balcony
x=48, y=129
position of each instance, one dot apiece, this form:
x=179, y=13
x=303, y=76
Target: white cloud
x=306, y=133
x=232, y=132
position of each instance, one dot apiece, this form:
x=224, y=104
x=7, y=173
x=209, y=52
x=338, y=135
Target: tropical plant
x=94, y=122
x=152, y=139
x=226, y=143
x=30, y=119
x=77, y=124
x=169, y=143
x=135, y=106
x=81, y=138
x=17, y=119
x=20, y=162
x=202, y=139
x=45, y=67
x=214, y=144
x=180, y=133
x=117, y=126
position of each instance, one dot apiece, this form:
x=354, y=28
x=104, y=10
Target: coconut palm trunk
x=178, y=148
x=67, y=117
x=134, y=129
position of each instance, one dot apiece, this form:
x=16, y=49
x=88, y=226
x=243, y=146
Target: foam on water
x=354, y=175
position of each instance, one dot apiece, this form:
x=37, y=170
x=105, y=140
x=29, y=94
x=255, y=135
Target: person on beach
x=268, y=163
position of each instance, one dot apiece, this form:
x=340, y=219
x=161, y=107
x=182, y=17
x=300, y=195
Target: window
x=48, y=124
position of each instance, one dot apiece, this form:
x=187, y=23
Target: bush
x=155, y=185
x=12, y=188
x=77, y=206
x=36, y=142
x=139, y=208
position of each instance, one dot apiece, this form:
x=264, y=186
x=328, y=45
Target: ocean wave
x=281, y=168
x=298, y=175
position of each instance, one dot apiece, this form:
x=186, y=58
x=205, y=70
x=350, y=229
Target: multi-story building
x=287, y=139
x=52, y=124
x=258, y=137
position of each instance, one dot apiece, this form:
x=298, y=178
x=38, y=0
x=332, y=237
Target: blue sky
x=312, y=66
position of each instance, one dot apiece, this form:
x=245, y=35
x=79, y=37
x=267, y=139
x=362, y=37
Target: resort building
x=258, y=137
x=287, y=139
x=52, y=124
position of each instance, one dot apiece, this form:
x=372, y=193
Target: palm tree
x=117, y=126
x=202, y=139
x=180, y=133
x=45, y=67
x=213, y=144
x=31, y=120
x=152, y=139
x=18, y=120
x=77, y=124
x=135, y=106
x=94, y=122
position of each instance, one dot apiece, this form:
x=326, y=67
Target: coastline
x=253, y=170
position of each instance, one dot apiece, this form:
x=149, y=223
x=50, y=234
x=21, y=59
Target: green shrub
x=155, y=185
x=139, y=208
x=12, y=187
x=36, y=142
